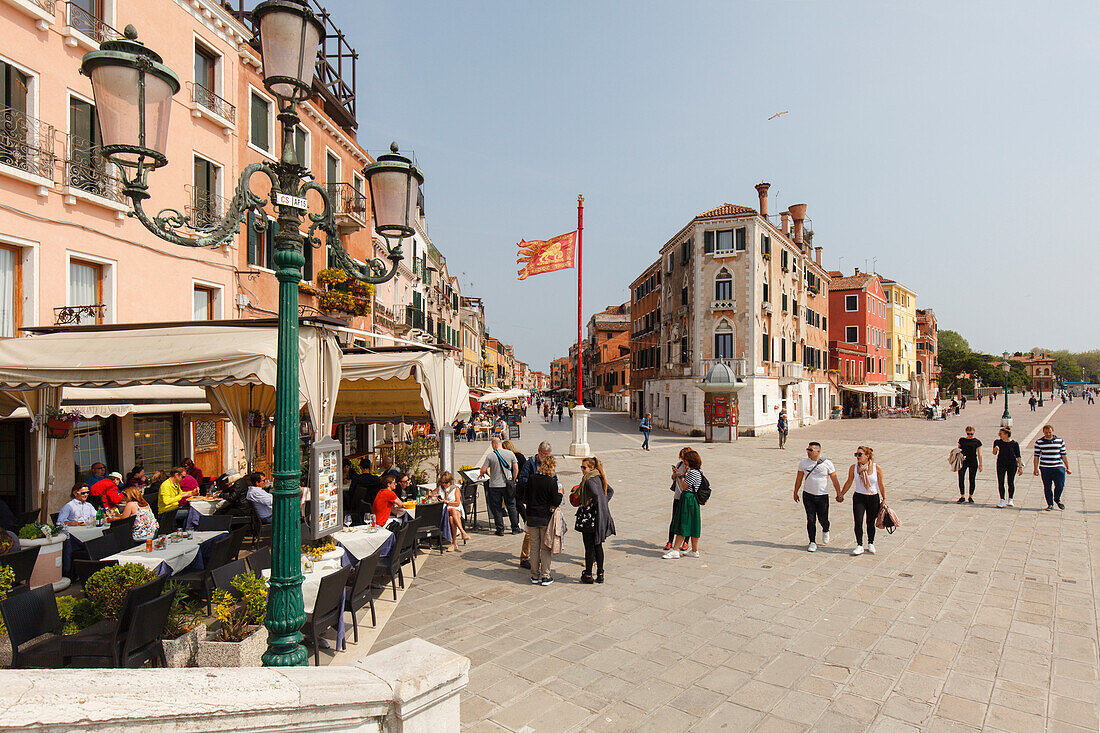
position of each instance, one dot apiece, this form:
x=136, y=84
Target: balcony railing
x=347, y=202
x=219, y=106
x=206, y=209
x=26, y=143
x=74, y=315
x=726, y=304
x=89, y=24
x=790, y=370
x=86, y=170
x=739, y=366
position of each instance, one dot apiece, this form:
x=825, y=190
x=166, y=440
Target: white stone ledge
x=412, y=687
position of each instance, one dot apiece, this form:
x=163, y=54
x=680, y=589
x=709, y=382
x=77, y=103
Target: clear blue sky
x=955, y=142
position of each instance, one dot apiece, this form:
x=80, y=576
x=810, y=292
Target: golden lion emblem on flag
x=546, y=255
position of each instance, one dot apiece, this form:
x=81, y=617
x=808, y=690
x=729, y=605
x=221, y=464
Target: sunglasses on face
x=857, y=455
x=811, y=449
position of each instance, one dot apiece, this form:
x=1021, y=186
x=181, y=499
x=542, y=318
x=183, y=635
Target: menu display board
x=326, y=460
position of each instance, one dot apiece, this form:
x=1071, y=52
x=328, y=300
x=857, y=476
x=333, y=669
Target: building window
x=11, y=291
x=260, y=128
x=684, y=403
x=93, y=442
x=206, y=204
x=765, y=343
x=723, y=286
x=767, y=293
x=724, y=241
x=740, y=240
x=723, y=345
x=332, y=167
x=684, y=295
x=207, y=303
x=86, y=285
x=206, y=71
x=301, y=145
x=261, y=243
x=155, y=442
x=685, y=252
x=764, y=403
x=86, y=169
x=851, y=334
x=766, y=245
x=851, y=303
x=888, y=340
x=685, y=356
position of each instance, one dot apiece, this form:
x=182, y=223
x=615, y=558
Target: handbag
x=587, y=517
x=887, y=519
x=509, y=482
x=575, y=496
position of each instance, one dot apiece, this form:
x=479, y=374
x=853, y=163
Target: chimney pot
x=785, y=220
x=817, y=255
x=798, y=213
x=762, y=192
x=857, y=270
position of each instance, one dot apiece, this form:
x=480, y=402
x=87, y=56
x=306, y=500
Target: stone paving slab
x=968, y=617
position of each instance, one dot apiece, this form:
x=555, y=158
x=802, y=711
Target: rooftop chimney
x=857, y=270
x=817, y=255
x=762, y=192
x=798, y=213
x=785, y=220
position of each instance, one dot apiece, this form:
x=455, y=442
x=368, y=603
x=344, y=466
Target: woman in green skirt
x=686, y=521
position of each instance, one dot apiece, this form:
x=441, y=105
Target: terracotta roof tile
x=852, y=282
x=726, y=210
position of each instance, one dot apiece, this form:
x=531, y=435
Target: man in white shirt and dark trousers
x=816, y=472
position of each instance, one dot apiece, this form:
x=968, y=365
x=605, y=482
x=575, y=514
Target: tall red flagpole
x=580, y=268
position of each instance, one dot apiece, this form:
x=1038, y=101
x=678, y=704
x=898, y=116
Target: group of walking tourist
x=1051, y=464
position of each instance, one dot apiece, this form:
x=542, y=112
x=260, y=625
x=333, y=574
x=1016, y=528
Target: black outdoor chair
x=236, y=539
x=469, y=504
x=327, y=609
x=166, y=522
x=389, y=566
x=28, y=517
x=260, y=529
x=359, y=591
x=215, y=523
x=408, y=549
x=102, y=546
x=202, y=581
x=97, y=550
x=259, y=560
x=28, y=616
x=223, y=576
x=54, y=516
x=142, y=642
x=103, y=641
x=429, y=517
x=123, y=532
x=22, y=562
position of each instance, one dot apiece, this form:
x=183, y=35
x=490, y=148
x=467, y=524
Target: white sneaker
x=858, y=550
x=825, y=538
x=671, y=555
x=871, y=548
x=1001, y=504
x=1011, y=503
x=691, y=553
x=812, y=547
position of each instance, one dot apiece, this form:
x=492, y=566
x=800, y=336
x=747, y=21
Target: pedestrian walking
x=1052, y=464
x=679, y=469
x=963, y=402
x=645, y=426
x=542, y=495
x=687, y=521
x=546, y=411
x=1009, y=464
x=955, y=406
x=594, y=520
x=816, y=472
x=782, y=427
x=1032, y=402
x=561, y=409
x=529, y=468
x=971, y=449
x=869, y=494
x=502, y=469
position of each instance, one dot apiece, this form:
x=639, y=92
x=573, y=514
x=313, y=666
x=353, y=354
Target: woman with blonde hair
x=145, y=523
x=452, y=497
x=594, y=520
x=543, y=496
x=870, y=492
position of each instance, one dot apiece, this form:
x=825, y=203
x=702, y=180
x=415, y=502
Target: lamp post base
x=578, y=446
x=1006, y=420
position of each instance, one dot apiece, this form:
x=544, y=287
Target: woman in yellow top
x=170, y=494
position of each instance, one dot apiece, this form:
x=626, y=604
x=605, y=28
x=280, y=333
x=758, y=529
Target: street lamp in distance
x=1006, y=366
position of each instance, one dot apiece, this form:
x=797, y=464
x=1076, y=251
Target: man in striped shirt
x=1052, y=463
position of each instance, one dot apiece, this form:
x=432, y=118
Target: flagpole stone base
x=578, y=447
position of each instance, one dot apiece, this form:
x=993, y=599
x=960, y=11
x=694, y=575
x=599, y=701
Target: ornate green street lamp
x=1006, y=366
x=133, y=93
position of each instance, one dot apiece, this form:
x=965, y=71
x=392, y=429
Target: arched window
x=723, y=285
x=723, y=340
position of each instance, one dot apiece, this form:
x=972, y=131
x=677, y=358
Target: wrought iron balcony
x=206, y=209
x=350, y=204
x=86, y=170
x=89, y=24
x=26, y=143
x=211, y=101
x=74, y=315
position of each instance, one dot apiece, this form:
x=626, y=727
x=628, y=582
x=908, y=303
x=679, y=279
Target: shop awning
x=878, y=390
x=407, y=386
x=139, y=400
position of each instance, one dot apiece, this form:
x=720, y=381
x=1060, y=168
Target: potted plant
x=50, y=541
x=60, y=422
x=107, y=588
x=184, y=629
x=238, y=637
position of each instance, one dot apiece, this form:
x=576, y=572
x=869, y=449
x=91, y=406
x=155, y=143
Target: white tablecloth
x=176, y=555
x=360, y=542
x=85, y=532
x=311, y=582
x=206, y=508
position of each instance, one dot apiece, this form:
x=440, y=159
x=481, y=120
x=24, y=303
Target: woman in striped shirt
x=1052, y=463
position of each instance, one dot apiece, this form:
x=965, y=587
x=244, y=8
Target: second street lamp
x=133, y=93
x=1006, y=366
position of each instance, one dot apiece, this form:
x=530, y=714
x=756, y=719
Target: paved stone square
x=968, y=618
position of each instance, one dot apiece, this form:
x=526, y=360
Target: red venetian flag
x=547, y=255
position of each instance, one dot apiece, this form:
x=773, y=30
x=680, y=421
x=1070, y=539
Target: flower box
x=47, y=568
x=244, y=653
x=58, y=429
x=183, y=650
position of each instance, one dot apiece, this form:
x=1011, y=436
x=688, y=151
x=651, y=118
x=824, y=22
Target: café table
x=359, y=542
x=311, y=584
x=201, y=507
x=84, y=532
x=174, y=557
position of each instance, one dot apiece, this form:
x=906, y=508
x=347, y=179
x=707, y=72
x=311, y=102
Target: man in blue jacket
x=530, y=468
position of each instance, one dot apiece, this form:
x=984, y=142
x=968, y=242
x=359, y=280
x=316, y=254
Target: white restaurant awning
x=138, y=400
x=878, y=390
x=402, y=387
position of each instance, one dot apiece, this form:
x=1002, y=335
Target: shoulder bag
x=509, y=482
x=887, y=519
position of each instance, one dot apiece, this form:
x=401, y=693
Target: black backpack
x=702, y=494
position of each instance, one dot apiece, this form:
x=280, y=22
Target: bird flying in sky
x=779, y=114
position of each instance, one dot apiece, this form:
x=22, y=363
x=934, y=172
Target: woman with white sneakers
x=868, y=497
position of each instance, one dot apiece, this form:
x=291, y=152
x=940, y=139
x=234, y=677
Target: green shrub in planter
x=7, y=580
x=239, y=617
x=107, y=588
x=185, y=613
x=75, y=614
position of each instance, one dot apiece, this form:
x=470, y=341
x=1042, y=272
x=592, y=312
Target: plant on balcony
x=332, y=276
x=361, y=289
x=59, y=422
x=335, y=301
x=344, y=295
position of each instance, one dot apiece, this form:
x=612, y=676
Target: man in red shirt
x=107, y=490
x=386, y=502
